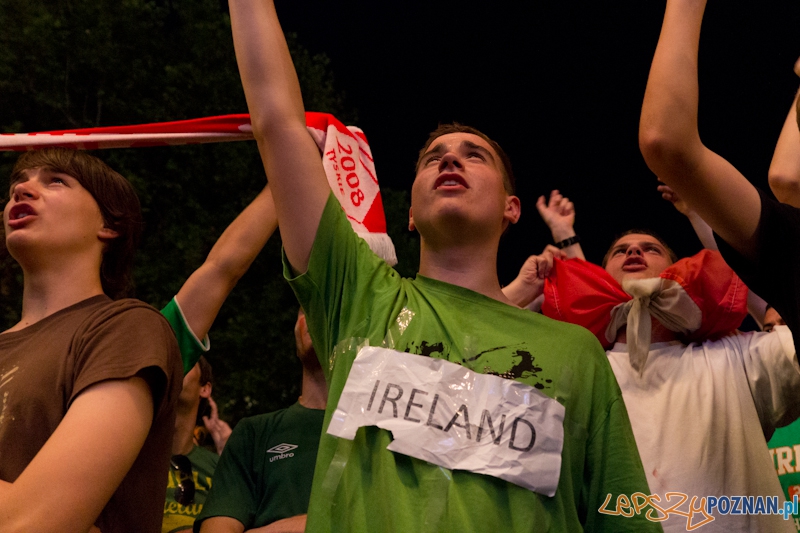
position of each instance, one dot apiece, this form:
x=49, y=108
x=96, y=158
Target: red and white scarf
x=698, y=297
x=346, y=157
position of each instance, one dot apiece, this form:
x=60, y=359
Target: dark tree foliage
x=85, y=63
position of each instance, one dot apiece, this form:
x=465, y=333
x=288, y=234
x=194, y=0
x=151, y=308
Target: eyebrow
x=641, y=244
x=472, y=146
x=438, y=148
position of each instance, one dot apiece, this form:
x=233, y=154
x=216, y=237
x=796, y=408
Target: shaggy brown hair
x=116, y=199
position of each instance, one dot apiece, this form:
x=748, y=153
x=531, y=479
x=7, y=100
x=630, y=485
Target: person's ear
x=411, y=226
x=107, y=234
x=513, y=209
x=205, y=390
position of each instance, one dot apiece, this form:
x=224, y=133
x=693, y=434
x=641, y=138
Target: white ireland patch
x=450, y=416
x=282, y=448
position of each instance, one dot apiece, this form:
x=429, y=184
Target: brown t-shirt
x=45, y=366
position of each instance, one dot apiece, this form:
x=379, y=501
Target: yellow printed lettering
x=636, y=498
x=701, y=510
x=674, y=509
x=624, y=506
x=657, y=508
x=603, y=509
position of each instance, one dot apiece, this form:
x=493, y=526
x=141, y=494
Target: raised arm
x=559, y=215
x=290, y=156
x=670, y=141
x=784, y=171
x=203, y=294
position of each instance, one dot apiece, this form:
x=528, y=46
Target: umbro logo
x=281, y=450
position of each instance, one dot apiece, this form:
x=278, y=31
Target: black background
x=559, y=85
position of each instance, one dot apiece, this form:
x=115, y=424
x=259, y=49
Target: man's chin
x=644, y=274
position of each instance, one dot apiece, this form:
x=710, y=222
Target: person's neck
x=314, y=392
x=658, y=333
x=49, y=290
x=469, y=265
x=185, y=418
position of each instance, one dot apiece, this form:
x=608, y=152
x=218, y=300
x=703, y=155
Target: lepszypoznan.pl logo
x=700, y=509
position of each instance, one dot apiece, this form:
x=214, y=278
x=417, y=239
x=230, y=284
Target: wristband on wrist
x=568, y=242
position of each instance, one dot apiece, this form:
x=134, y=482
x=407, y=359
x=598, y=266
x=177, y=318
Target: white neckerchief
x=659, y=298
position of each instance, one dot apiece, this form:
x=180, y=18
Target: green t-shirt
x=179, y=517
x=784, y=446
x=350, y=295
x=191, y=347
x=266, y=468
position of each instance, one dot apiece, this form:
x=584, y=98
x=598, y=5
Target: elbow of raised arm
x=666, y=155
x=653, y=144
x=272, y=121
x=229, y=272
x=785, y=186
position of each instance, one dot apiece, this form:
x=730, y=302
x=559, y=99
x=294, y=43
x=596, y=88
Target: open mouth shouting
x=20, y=214
x=450, y=181
x=634, y=263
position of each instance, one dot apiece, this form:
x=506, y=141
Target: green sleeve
x=191, y=347
x=343, y=279
x=234, y=492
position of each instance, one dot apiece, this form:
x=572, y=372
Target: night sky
x=560, y=86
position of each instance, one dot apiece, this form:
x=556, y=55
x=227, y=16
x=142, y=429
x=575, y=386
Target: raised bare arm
x=670, y=141
x=291, y=157
x=784, y=171
x=559, y=215
x=203, y=294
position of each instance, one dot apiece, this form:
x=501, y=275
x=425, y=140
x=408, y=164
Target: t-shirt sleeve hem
x=155, y=345
x=190, y=346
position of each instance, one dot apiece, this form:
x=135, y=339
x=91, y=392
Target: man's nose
x=449, y=160
x=633, y=250
x=23, y=190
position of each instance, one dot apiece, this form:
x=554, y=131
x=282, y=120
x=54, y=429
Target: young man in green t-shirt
x=264, y=476
x=462, y=202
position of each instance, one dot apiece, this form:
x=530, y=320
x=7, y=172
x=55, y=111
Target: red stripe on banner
x=375, y=221
x=371, y=175
x=218, y=124
x=364, y=151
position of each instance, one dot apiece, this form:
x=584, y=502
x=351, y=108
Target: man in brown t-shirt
x=87, y=384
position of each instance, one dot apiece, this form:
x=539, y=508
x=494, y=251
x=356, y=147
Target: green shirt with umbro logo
x=266, y=468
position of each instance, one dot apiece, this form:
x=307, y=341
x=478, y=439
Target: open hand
x=671, y=196
x=218, y=428
x=559, y=215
